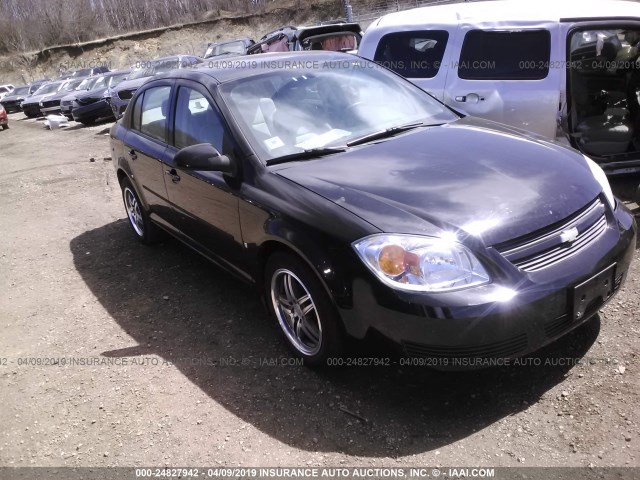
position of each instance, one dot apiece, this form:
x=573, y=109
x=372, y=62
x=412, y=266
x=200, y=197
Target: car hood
x=13, y=98
x=127, y=84
x=36, y=98
x=58, y=96
x=95, y=93
x=471, y=175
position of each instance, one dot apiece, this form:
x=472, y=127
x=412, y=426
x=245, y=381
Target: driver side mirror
x=205, y=157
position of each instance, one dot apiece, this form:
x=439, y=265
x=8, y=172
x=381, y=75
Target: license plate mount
x=598, y=288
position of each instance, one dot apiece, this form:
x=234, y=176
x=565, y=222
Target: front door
x=205, y=203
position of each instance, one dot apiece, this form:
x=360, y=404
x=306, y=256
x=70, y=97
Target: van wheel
x=303, y=310
x=143, y=228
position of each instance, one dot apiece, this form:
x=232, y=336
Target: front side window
x=505, y=55
x=155, y=108
x=135, y=113
x=413, y=54
x=196, y=121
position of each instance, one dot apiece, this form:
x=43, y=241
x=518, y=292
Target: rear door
x=146, y=147
x=508, y=74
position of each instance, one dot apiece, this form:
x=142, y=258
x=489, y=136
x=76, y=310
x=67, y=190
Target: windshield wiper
x=387, y=132
x=308, y=154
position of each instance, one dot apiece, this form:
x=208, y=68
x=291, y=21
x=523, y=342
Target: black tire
x=143, y=228
x=5, y=127
x=316, y=336
x=637, y=196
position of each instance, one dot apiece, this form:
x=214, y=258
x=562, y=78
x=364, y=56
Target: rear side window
x=522, y=55
x=155, y=108
x=412, y=54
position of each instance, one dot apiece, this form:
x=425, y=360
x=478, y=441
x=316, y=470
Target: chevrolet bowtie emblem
x=569, y=236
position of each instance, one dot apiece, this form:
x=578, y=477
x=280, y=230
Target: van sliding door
x=510, y=75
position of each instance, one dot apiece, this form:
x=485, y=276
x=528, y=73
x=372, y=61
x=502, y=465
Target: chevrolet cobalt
x=358, y=204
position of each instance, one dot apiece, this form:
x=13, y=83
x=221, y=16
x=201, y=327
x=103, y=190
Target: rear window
x=522, y=55
x=412, y=54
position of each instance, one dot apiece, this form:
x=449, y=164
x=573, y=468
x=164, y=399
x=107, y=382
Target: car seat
x=600, y=130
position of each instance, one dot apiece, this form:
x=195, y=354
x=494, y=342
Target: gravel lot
x=167, y=329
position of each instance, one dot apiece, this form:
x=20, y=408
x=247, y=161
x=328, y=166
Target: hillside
x=125, y=50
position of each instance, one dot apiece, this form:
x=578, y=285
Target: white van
x=567, y=68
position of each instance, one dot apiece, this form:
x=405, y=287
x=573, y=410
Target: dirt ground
x=182, y=366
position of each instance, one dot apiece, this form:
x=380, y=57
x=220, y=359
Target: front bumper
x=11, y=106
x=93, y=111
x=524, y=313
x=50, y=110
x=31, y=109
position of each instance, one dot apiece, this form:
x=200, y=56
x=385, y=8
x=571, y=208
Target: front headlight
x=421, y=264
x=602, y=179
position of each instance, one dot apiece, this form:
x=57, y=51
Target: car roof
x=259, y=64
x=511, y=10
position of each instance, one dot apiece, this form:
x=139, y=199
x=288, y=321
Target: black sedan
x=360, y=205
x=92, y=105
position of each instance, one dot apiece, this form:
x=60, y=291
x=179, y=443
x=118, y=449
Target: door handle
x=132, y=154
x=175, y=178
x=469, y=98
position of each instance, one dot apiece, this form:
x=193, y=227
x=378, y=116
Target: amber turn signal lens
x=391, y=260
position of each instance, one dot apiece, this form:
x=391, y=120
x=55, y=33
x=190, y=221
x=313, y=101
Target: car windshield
x=72, y=85
x=87, y=83
x=221, y=49
x=139, y=73
x=21, y=91
x=288, y=111
x=116, y=79
x=48, y=88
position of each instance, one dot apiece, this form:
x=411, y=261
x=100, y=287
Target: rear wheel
x=4, y=127
x=139, y=221
x=303, y=310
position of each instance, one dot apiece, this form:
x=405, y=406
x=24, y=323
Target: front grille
x=504, y=348
x=86, y=100
x=32, y=108
x=546, y=248
x=556, y=326
x=51, y=103
x=126, y=94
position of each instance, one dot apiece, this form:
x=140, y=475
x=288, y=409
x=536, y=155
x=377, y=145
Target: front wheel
x=307, y=319
x=4, y=127
x=139, y=221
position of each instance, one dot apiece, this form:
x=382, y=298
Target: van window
x=522, y=55
x=412, y=54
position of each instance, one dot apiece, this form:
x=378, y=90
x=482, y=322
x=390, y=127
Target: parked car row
x=91, y=94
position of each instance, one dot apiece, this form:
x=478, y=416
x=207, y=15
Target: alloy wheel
x=296, y=311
